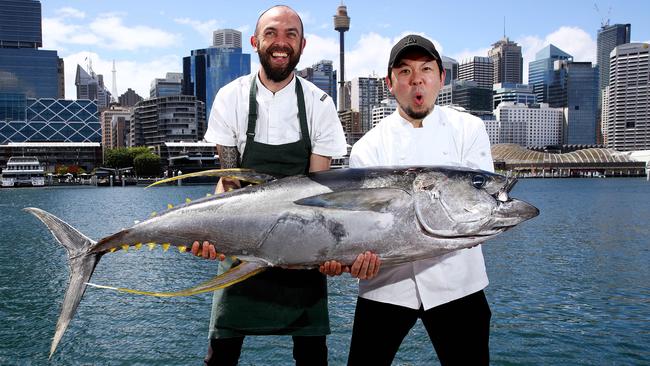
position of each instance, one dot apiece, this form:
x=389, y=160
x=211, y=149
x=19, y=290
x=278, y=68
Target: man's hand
x=207, y=251
x=365, y=267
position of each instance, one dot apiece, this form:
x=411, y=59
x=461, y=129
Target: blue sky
x=147, y=39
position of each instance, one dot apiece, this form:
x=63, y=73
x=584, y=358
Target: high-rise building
x=20, y=24
x=366, y=93
x=167, y=119
x=507, y=61
x=91, y=86
x=478, y=69
x=508, y=92
x=467, y=95
x=383, y=110
x=540, y=71
x=575, y=88
x=451, y=69
x=25, y=119
x=170, y=85
x=529, y=126
x=25, y=69
x=322, y=74
x=129, y=99
x=206, y=70
x=108, y=118
x=342, y=25
x=226, y=38
x=609, y=36
x=628, y=98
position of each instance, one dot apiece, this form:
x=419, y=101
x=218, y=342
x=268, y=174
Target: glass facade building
x=609, y=36
x=25, y=69
x=322, y=74
x=20, y=24
x=540, y=71
x=48, y=120
x=32, y=72
x=575, y=88
x=206, y=70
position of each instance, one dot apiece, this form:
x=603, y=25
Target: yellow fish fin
x=234, y=275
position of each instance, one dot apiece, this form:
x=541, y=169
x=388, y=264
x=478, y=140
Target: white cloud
x=121, y=37
x=136, y=75
x=572, y=40
x=205, y=28
x=56, y=33
x=69, y=12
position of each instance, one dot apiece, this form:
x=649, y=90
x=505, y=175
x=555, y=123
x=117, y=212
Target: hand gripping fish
x=401, y=214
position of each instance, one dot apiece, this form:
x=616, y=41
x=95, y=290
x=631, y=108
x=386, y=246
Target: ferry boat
x=23, y=171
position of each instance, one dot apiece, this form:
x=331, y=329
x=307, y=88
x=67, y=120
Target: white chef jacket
x=277, y=117
x=447, y=137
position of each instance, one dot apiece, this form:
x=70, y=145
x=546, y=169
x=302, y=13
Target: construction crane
x=604, y=21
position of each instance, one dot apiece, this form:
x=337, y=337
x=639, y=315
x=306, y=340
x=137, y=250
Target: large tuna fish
x=302, y=221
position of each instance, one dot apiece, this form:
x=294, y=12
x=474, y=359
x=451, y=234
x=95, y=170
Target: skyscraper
x=206, y=70
x=628, y=98
x=170, y=85
x=91, y=86
x=479, y=69
x=451, y=68
x=366, y=93
x=23, y=67
x=322, y=74
x=575, y=88
x=540, y=71
x=507, y=61
x=609, y=36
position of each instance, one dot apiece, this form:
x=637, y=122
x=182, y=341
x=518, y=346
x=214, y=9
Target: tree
x=123, y=157
x=147, y=164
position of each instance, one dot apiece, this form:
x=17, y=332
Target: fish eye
x=478, y=181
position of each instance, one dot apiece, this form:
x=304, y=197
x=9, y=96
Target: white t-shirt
x=447, y=137
x=277, y=117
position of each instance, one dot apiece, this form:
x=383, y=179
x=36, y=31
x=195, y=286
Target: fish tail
x=82, y=264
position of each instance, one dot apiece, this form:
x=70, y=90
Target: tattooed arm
x=229, y=158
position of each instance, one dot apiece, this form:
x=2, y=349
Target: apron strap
x=252, y=113
x=302, y=115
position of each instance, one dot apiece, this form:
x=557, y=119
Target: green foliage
x=61, y=170
x=123, y=157
x=147, y=165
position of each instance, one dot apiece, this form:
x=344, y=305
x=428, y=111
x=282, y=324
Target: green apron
x=277, y=301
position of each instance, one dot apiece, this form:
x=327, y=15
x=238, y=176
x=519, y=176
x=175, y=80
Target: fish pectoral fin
x=365, y=199
x=234, y=275
x=246, y=175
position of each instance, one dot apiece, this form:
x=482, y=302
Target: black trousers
x=459, y=331
x=307, y=351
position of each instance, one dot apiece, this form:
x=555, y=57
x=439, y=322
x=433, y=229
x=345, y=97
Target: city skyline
x=147, y=43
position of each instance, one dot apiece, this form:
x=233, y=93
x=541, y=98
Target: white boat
x=23, y=171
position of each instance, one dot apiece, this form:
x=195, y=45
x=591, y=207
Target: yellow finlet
x=187, y=200
x=138, y=246
x=125, y=247
x=208, y=194
x=112, y=249
x=165, y=246
x=151, y=245
x=154, y=214
x=170, y=206
x=182, y=248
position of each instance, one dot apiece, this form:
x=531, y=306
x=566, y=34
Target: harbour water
x=569, y=287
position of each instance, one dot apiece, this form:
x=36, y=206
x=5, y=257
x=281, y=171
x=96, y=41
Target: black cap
x=411, y=42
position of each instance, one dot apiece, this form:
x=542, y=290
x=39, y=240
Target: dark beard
x=415, y=115
x=278, y=74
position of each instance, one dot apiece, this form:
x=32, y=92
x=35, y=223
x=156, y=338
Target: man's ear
x=389, y=84
x=304, y=43
x=254, y=43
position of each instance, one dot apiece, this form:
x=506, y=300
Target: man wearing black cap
x=446, y=293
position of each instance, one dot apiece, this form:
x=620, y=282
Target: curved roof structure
x=515, y=154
